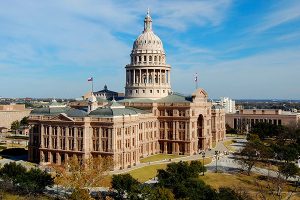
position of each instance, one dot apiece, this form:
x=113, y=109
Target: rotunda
x=147, y=75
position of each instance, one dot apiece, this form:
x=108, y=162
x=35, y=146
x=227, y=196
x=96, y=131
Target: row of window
x=144, y=91
x=139, y=59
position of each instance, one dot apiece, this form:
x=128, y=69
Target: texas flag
x=90, y=79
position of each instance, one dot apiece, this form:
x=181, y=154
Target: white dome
x=148, y=40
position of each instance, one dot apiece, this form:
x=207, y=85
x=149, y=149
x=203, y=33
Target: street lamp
x=203, y=156
x=216, y=154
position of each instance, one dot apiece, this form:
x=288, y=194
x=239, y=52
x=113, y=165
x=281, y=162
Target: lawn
x=159, y=157
x=148, y=172
x=145, y=173
x=251, y=184
x=227, y=144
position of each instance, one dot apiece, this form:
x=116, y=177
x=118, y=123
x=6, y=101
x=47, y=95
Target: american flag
x=90, y=79
x=196, y=77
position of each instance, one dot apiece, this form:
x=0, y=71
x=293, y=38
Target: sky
x=247, y=49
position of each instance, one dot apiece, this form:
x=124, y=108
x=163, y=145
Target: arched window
x=150, y=58
x=140, y=58
x=145, y=58
x=155, y=58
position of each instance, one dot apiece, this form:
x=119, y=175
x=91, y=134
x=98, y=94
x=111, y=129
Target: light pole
x=203, y=156
x=216, y=154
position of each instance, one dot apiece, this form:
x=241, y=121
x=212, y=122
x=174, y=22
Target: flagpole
x=92, y=84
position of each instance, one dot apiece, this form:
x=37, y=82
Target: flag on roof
x=90, y=79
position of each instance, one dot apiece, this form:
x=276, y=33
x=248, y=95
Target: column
x=140, y=81
x=165, y=147
x=67, y=137
x=58, y=137
x=75, y=138
x=134, y=76
x=50, y=138
x=109, y=139
x=129, y=78
x=58, y=159
x=147, y=75
x=42, y=156
x=160, y=76
x=42, y=138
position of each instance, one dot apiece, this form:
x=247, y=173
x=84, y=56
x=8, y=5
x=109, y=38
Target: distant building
x=12, y=112
x=243, y=120
x=104, y=94
x=228, y=104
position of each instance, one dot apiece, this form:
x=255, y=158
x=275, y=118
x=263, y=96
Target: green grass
x=227, y=144
x=148, y=172
x=145, y=173
x=159, y=157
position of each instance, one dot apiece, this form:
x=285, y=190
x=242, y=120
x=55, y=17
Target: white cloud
x=283, y=12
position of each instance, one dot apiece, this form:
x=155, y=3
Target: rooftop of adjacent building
x=265, y=112
x=12, y=107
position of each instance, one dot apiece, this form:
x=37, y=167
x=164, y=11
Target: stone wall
x=7, y=117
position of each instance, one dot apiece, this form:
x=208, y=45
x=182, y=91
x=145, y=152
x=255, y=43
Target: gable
x=61, y=117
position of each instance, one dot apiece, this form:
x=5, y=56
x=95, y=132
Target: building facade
x=12, y=112
x=244, y=119
x=150, y=120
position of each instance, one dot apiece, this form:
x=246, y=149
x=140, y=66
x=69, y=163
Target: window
x=157, y=91
x=136, y=91
x=150, y=91
x=143, y=91
x=164, y=91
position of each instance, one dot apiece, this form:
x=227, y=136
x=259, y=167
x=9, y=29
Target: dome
x=148, y=40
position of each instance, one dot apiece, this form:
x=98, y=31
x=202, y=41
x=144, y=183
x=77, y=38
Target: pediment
x=61, y=117
x=200, y=93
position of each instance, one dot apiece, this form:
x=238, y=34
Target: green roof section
x=112, y=112
x=175, y=98
x=71, y=112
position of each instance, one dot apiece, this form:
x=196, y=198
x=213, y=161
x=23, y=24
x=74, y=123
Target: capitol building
x=151, y=119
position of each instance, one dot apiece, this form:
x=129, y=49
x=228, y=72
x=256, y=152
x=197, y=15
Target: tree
x=12, y=172
x=24, y=121
x=15, y=125
x=230, y=130
x=288, y=170
x=80, y=194
x=161, y=193
x=226, y=193
x=125, y=185
x=28, y=182
x=85, y=173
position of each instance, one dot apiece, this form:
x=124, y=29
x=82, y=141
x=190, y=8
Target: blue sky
x=240, y=49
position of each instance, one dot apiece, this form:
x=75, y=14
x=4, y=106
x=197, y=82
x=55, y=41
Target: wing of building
x=150, y=120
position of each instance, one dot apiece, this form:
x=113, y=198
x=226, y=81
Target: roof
x=71, y=112
x=217, y=107
x=175, y=98
x=112, y=112
x=141, y=100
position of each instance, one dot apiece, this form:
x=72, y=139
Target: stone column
x=50, y=138
x=134, y=76
x=140, y=81
x=58, y=137
x=160, y=81
x=75, y=138
x=58, y=158
x=67, y=137
x=42, y=137
x=147, y=76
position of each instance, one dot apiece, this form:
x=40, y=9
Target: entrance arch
x=200, y=131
